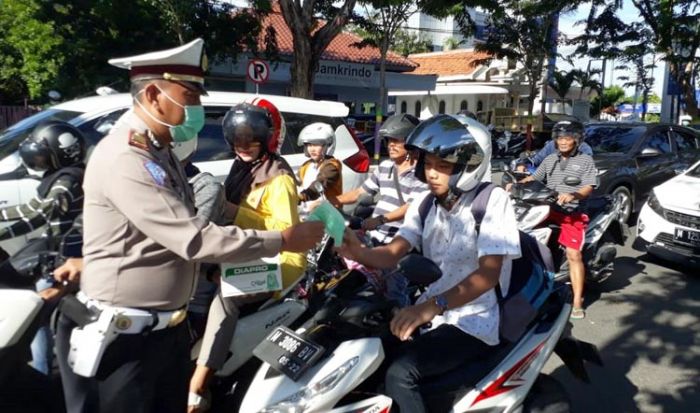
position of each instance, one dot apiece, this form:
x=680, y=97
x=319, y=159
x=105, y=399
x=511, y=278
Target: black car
x=633, y=158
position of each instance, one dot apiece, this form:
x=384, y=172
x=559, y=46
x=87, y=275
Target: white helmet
x=318, y=133
x=183, y=150
x=456, y=139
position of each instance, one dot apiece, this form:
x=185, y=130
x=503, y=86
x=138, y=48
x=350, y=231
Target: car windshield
x=694, y=172
x=11, y=137
x=613, y=139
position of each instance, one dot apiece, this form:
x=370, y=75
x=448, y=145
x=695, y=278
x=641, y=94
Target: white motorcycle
x=533, y=203
x=336, y=362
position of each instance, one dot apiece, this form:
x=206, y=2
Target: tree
x=406, y=43
x=522, y=31
x=611, y=96
x=673, y=30
x=33, y=38
x=561, y=83
x=586, y=80
x=451, y=43
x=642, y=66
x=30, y=55
x=311, y=36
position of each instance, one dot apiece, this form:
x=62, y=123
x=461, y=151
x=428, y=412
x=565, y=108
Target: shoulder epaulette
x=138, y=140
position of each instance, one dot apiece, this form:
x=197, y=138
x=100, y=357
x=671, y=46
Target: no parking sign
x=258, y=71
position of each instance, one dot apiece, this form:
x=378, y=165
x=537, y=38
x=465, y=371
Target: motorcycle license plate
x=288, y=353
x=688, y=237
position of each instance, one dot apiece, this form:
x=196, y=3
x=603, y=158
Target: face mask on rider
x=189, y=128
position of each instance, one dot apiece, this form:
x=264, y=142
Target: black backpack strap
x=480, y=201
x=424, y=208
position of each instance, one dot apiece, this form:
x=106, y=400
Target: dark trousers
x=139, y=373
x=428, y=355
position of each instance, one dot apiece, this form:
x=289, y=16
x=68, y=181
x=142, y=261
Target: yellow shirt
x=272, y=206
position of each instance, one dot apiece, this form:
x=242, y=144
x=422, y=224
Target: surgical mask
x=189, y=128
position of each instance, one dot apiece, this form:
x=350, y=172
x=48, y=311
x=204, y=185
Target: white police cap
x=185, y=64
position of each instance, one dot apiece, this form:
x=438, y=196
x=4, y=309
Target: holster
x=76, y=311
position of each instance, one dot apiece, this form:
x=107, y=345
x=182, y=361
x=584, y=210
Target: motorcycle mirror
x=419, y=270
x=572, y=181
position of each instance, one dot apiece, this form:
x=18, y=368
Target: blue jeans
x=429, y=355
x=42, y=344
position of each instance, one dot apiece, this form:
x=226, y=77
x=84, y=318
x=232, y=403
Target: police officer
x=141, y=244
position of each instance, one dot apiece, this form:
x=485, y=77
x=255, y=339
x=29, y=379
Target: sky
x=567, y=26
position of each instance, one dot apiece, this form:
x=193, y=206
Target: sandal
x=578, y=314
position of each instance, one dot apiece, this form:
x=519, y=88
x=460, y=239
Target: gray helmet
x=450, y=139
x=568, y=128
x=318, y=133
x=398, y=126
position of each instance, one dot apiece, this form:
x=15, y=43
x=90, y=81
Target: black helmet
x=445, y=136
x=568, y=128
x=257, y=118
x=52, y=146
x=398, y=126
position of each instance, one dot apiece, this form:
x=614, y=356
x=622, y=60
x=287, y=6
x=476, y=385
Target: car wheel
x=624, y=197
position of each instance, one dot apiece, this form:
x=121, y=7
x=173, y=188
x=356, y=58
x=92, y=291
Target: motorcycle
x=22, y=313
x=336, y=362
x=533, y=202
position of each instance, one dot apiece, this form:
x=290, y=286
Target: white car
x=669, y=223
x=95, y=116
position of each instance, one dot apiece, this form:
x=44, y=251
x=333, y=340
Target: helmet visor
x=35, y=156
x=447, y=138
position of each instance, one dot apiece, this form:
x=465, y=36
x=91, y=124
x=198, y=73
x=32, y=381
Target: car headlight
x=602, y=171
x=297, y=402
x=654, y=204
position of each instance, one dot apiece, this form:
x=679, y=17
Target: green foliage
x=611, y=96
x=29, y=51
x=65, y=44
x=561, y=83
x=406, y=43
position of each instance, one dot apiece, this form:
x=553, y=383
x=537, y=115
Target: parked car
x=632, y=158
x=95, y=116
x=669, y=222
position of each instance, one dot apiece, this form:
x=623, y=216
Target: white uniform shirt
x=450, y=240
x=309, y=178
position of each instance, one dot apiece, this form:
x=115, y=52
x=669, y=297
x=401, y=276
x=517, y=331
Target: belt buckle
x=177, y=317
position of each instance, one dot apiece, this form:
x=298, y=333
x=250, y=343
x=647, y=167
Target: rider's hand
x=565, y=198
x=408, y=319
x=509, y=187
x=351, y=247
x=302, y=237
x=371, y=223
x=69, y=271
x=52, y=294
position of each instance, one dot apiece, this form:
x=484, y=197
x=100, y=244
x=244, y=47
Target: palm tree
x=586, y=80
x=561, y=83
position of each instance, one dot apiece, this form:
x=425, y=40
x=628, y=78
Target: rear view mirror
x=419, y=270
x=649, y=152
x=572, y=181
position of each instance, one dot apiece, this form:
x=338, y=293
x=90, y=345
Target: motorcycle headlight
x=655, y=205
x=297, y=402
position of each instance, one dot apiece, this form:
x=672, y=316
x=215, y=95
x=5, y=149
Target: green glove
x=332, y=219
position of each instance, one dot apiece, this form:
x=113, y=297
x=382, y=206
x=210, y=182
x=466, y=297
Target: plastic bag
x=332, y=219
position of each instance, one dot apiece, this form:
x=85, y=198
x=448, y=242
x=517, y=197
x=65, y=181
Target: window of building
x=441, y=107
x=403, y=107
x=463, y=105
x=479, y=106
x=416, y=110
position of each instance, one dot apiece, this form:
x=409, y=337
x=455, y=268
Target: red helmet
x=279, y=130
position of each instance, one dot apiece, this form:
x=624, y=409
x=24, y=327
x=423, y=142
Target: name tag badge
x=252, y=277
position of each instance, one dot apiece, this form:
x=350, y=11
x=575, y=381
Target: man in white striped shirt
x=393, y=180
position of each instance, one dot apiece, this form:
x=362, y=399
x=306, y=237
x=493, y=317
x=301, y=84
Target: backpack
x=531, y=277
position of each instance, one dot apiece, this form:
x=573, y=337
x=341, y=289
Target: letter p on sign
x=258, y=71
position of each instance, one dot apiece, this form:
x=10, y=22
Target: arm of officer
x=155, y=208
